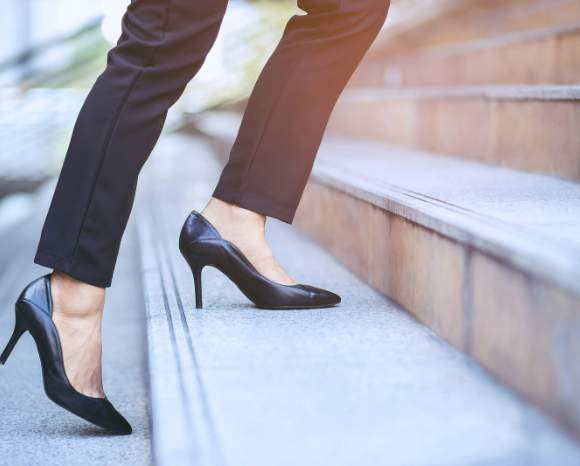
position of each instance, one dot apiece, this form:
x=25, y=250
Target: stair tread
x=357, y=384
x=505, y=59
x=490, y=42
x=531, y=219
x=397, y=35
x=489, y=92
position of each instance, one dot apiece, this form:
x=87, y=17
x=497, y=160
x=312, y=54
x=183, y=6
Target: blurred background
x=51, y=51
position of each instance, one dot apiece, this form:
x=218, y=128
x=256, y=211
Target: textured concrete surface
x=33, y=429
x=359, y=384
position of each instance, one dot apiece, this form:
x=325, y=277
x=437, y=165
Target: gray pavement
x=360, y=384
x=34, y=431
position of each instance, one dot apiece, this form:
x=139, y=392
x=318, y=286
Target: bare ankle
x=76, y=299
x=222, y=213
x=246, y=229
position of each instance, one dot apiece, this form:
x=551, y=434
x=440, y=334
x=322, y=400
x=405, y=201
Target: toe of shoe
x=321, y=297
x=121, y=426
x=116, y=423
x=330, y=298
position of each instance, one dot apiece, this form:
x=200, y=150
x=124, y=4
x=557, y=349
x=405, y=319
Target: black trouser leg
x=163, y=45
x=290, y=105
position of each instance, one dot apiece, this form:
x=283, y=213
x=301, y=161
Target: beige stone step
x=531, y=128
x=398, y=41
x=546, y=56
x=464, y=21
x=486, y=256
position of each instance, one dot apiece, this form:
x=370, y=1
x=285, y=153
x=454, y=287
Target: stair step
x=488, y=257
x=531, y=128
x=531, y=57
x=360, y=383
x=530, y=221
x=460, y=22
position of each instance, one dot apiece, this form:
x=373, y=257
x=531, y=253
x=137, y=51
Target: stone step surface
x=543, y=56
x=531, y=128
x=361, y=383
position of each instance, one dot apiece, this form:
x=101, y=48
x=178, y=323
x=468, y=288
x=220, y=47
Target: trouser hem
x=71, y=266
x=257, y=204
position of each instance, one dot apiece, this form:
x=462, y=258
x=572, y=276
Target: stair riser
x=521, y=329
x=462, y=28
x=552, y=59
x=530, y=135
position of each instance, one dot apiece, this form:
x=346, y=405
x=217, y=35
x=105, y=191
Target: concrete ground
x=35, y=431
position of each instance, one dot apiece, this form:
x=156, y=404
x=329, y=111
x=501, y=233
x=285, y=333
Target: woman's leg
x=286, y=115
x=162, y=46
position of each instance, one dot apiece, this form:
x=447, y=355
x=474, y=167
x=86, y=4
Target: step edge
x=542, y=93
x=391, y=36
x=553, y=264
x=163, y=349
x=516, y=38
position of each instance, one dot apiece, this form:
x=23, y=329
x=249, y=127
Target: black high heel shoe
x=201, y=244
x=34, y=314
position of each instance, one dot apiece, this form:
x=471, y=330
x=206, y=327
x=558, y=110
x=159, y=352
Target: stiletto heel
x=201, y=244
x=197, y=282
x=19, y=329
x=34, y=314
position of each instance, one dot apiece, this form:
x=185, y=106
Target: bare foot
x=77, y=314
x=246, y=229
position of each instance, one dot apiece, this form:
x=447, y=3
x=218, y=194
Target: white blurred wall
x=24, y=23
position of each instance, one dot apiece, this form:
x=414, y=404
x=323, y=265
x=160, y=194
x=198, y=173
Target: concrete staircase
x=359, y=384
x=469, y=248
x=438, y=23
x=508, y=59
x=447, y=180
x=531, y=128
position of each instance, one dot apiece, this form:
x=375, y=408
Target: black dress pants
x=162, y=46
